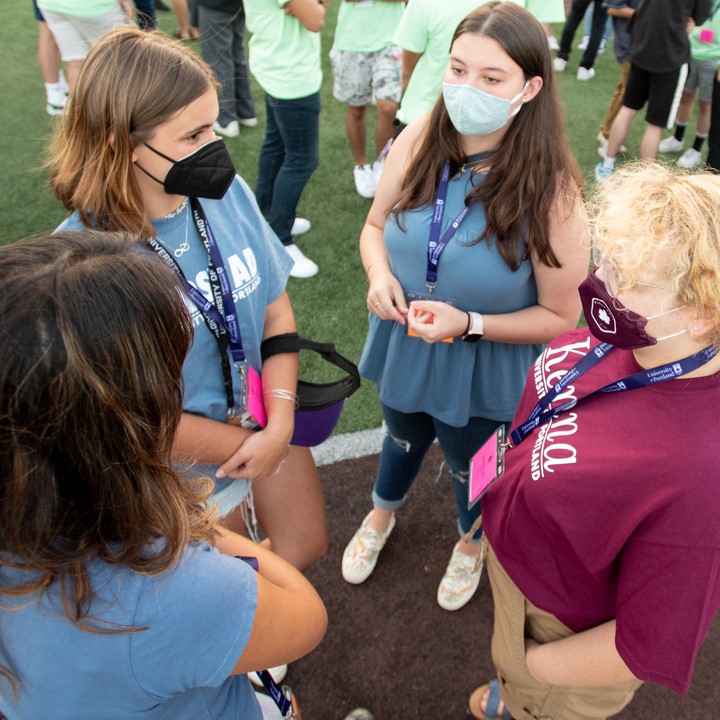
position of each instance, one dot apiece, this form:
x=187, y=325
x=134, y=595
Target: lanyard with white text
x=541, y=414
x=219, y=282
x=436, y=243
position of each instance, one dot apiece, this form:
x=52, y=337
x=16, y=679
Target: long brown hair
x=94, y=335
x=131, y=82
x=533, y=164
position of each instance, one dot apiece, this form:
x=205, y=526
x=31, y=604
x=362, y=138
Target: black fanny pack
x=319, y=404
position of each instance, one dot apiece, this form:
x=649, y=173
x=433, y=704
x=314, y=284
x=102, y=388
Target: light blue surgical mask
x=475, y=112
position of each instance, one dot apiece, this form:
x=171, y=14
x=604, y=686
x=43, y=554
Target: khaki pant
x=517, y=618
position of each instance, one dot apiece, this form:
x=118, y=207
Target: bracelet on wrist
x=281, y=394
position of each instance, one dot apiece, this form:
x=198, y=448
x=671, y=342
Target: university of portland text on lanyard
x=220, y=315
x=436, y=242
x=487, y=464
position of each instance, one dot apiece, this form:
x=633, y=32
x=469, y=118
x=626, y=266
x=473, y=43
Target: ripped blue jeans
x=408, y=438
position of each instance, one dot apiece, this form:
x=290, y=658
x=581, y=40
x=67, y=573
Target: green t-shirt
x=284, y=56
x=426, y=28
x=705, y=39
x=367, y=25
x=545, y=11
x=79, y=8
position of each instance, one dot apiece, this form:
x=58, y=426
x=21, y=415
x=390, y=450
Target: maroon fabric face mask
x=609, y=320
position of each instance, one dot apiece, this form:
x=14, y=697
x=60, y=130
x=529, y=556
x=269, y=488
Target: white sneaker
x=300, y=226
x=690, y=158
x=361, y=553
x=377, y=168
x=460, y=581
x=670, y=144
x=230, y=130
x=248, y=122
x=553, y=43
x=559, y=64
x=54, y=110
x=585, y=73
x=582, y=45
x=603, y=47
x=278, y=675
x=304, y=267
x=364, y=181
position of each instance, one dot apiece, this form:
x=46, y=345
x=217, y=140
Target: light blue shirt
x=451, y=381
x=198, y=616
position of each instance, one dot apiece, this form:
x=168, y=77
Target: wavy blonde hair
x=653, y=221
x=131, y=82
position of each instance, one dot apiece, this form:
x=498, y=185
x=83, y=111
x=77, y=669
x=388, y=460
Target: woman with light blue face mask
x=473, y=249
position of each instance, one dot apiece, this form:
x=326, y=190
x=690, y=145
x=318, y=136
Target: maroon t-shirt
x=612, y=510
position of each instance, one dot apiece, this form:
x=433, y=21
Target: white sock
x=609, y=163
x=55, y=93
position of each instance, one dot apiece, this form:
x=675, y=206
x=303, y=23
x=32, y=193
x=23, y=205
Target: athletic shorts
x=701, y=74
x=75, y=34
x=363, y=77
x=661, y=92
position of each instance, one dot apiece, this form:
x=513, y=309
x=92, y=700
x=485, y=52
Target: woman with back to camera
x=604, y=554
x=120, y=597
x=136, y=152
x=495, y=274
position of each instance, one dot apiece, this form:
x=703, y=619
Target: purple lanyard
x=219, y=283
x=541, y=414
x=436, y=243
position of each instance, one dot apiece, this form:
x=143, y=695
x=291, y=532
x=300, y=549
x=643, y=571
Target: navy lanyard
x=542, y=414
x=219, y=283
x=436, y=243
x=224, y=326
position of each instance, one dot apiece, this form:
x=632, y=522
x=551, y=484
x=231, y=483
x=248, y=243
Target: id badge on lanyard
x=250, y=414
x=486, y=466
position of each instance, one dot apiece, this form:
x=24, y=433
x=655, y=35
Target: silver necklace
x=185, y=246
x=177, y=211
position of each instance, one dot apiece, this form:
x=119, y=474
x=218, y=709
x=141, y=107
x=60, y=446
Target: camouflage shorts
x=364, y=77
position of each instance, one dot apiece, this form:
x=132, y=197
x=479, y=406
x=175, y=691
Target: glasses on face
x=611, y=277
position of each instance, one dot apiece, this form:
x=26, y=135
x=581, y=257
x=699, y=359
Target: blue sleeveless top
x=452, y=381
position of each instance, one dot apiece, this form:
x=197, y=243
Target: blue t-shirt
x=451, y=381
x=258, y=267
x=199, y=617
